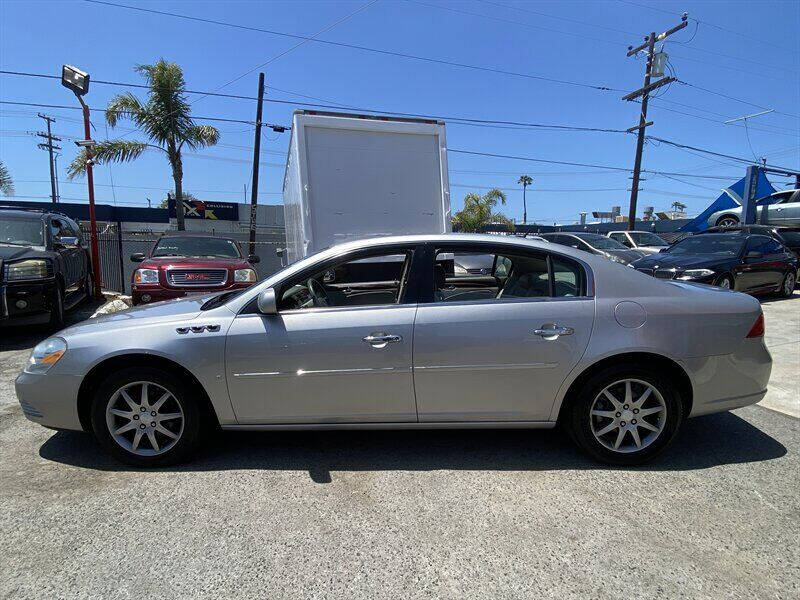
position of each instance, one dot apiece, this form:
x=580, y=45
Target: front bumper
x=149, y=293
x=50, y=399
x=730, y=381
x=26, y=302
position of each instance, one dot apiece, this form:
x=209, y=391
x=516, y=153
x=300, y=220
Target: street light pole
x=87, y=127
x=76, y=80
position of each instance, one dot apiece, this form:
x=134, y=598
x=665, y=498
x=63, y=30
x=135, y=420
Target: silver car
x=785, y=210
x=376, y=334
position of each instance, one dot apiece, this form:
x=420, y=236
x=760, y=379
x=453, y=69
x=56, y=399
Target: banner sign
x=204, y=209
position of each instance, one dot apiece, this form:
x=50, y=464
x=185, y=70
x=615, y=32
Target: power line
x=358, y=47
x=507, y=189
x=697, y=87
x=710, y=152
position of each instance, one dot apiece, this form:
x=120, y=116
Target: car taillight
x=757, y=330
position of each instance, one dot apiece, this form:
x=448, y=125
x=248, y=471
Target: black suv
x=44, y=267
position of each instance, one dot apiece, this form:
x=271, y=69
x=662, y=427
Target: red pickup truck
x=182, y=263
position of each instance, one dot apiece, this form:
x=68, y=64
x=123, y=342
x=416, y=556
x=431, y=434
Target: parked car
x=563, y=337
x=44, y=267
x=784, y=211
x=788, y=236
x=182, y=263
x=745, y=262
x=643, y=241
x=791, y=238
x=595, y=244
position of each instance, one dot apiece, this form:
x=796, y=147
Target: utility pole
x=50, y=147
x=256, y=157
x=58, y=191
x=644, y=93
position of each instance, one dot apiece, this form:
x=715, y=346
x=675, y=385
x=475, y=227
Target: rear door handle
x=554, y=332
x=380, y=339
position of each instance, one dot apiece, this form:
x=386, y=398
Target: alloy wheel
x=788, y=284
x=628, y=415
x=144, y=418
x=728, y=222
x=725, y=283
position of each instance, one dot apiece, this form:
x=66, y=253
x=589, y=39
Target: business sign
x=205, y=209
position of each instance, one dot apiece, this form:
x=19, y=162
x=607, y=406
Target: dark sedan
x=595, y=243
x=746, y=263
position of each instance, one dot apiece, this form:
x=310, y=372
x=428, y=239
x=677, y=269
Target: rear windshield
x=709, y=244
x=206, y=247
x=22, y=232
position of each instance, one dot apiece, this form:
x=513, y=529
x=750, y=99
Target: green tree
x=478, y=212
x=678, y=206
x=166, y=120
x=6, y=183
x=187, y=197
x=525, y=180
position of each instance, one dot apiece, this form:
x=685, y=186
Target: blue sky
x=577, y=41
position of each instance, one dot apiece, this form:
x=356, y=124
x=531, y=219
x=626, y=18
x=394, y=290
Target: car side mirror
x=267, y=302
x=253, y=259
x=137, y=257
x=67, y=240
x=754, y=255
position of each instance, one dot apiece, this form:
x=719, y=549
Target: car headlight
x=244, y=276
x=46, y=354
x=26, y=269
x=696, y=273
x=630, y=264
x=459, y=270
x=145, y=276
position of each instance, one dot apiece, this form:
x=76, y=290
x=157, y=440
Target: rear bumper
x=730, y=381
x=147, y=294
x=50, y=399
x=26, y=303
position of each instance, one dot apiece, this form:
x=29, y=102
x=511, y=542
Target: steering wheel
x=317, y=292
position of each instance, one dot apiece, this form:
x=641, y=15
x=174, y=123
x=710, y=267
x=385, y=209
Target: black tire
x=788, y=285
x=728, y=221
x=88, y=287
x=722, y=279
x=188, y=436
x=579, y=421
x=57, y=308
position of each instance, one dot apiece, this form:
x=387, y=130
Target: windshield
x=709, y=244
x=196, y=246
x=791, y=237
x=601, y=242
x=644, y=238
x=21, y=232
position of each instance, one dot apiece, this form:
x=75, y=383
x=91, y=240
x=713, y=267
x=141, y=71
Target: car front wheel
x=728, y=221
x=626, y=415
x=143, y=416
x=788, y=285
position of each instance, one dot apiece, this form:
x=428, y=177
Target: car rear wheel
x=88, y=287
x=725, y=282
x=143, y=417
x=727, y=221
x=787, y=287
x=626, y=415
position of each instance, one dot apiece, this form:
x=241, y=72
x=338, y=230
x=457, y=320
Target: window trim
x=428, y=297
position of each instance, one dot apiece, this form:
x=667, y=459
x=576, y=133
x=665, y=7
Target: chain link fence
x=115, y=249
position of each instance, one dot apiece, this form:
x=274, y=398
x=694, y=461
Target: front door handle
x=553, y=331
x=380, y=339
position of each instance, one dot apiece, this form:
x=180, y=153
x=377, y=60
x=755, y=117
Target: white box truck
x=354, y=176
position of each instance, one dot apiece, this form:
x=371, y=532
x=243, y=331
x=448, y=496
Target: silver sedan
x=784, y=210
x=382, y=333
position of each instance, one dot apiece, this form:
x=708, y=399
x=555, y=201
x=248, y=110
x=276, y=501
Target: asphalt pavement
x=407, y=514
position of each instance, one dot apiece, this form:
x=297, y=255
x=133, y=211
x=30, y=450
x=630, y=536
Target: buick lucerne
x=382, y=333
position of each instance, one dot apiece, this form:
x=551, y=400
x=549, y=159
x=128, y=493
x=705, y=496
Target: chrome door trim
x=396, y=425
x=303, y=372
x=486, y=367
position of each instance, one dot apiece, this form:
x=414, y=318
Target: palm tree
x=478, y=212
x=165, y=118
x=525, y=180
x=6, y=184
x=678, y=206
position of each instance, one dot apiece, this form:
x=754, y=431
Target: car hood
x=665, y=260
x=194, y=262
x=181, y=309
x=17, y=252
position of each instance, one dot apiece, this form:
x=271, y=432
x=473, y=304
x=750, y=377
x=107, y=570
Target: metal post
x=524, y=204
x=749, y=196
x=256, y=157
x=637, y=165
x=92, y=221
x=121, y=260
